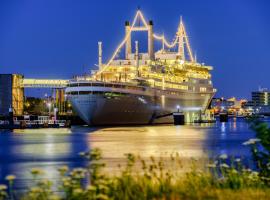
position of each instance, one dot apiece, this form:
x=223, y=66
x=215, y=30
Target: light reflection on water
x=48, y=149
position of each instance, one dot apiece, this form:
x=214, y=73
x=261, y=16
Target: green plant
x=152, y=178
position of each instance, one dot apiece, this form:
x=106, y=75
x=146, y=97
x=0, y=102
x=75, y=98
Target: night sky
x=58, y=39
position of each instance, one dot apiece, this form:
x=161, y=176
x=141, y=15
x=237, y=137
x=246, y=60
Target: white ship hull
x=98, y=107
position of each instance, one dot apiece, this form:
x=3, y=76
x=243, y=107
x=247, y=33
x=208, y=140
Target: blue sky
x=58, y=38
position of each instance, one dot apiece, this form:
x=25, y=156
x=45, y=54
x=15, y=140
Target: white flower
x=63, y=169
x=78, y=191
x=255, y=173
x=35, y=189
x=223, y=156
x=91, y=188
x=3, y=187
x=251, y=141
x=224, y=165
x=36, y=171
x=246, y=170
x=211, y=165
x=82, y=154
x=10, y=177
x=237, y=160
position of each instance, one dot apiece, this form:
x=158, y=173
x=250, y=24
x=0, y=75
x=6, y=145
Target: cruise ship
x=143, y=87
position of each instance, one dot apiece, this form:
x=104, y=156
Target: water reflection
x=147, y=141
x=48, y=149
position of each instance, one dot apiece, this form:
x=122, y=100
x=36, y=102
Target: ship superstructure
x=142, y=87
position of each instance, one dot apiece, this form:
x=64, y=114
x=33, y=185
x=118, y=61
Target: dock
x=32, y=124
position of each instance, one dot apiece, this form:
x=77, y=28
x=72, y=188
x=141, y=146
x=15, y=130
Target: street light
x=178, y=108
x=49, y=107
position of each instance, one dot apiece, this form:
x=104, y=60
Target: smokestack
x=137, y=56
x=100, y=55
x=150, y=41
x=128, y=42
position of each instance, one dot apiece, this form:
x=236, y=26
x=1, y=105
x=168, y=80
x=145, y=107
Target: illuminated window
x=202, y=89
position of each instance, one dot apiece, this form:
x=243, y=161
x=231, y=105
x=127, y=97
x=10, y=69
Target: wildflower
x=82, y=154
x=78, y=173
x=224, y=165
x=223, y=156
x=265, y=178
x=45, y=182
x=212, y=165
x=66, y=183
x=253, y=173
x=268, y=166
x=35, y=190
x=36, y=171
x=251, y=141
x=10, y=177
x=102, y=197
x=78, y=191
x=63, y=169
x=3, y=187
x=247, y=170
x=54, y=197
x=91, y=188
x=237, y=160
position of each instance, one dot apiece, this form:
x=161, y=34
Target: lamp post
x=178, y=108
x=49, y=105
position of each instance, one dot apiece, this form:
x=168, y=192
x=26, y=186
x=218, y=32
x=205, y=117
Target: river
x=21, y=150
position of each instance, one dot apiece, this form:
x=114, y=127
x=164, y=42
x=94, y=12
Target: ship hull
x=130, y=109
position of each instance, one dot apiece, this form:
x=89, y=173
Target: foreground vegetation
x=157, y=178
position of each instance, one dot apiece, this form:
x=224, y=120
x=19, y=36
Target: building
x=261, y=97
x=230, y=105
x=11, y=94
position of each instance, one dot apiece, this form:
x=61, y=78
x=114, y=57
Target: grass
x=152, y=181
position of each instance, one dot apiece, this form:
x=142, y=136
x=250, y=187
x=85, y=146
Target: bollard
x=10, y=118
x=223, y=117
x=178, y=118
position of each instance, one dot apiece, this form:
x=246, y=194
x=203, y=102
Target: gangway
x=44, y=83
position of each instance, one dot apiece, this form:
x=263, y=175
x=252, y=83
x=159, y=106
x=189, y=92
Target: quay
x=31, y=124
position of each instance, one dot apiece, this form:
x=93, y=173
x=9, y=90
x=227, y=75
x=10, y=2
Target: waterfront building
x=260, y=102
x=11, y=94
x=261, y=97
x=230, y=105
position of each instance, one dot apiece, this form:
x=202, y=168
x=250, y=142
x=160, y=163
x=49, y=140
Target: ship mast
x=181, y=39
x=180, y=35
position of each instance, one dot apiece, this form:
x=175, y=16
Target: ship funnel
x=128, y=42
x=137, y=57
x=100, y=55
x=150, y=40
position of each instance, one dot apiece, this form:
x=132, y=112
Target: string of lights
x=163, y=39
x=158, y=37
x=138, y=14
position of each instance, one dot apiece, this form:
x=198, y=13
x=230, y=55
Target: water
x=48, y=149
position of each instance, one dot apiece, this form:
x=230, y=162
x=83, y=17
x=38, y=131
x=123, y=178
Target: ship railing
x=4, y=122
x=40, y=122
